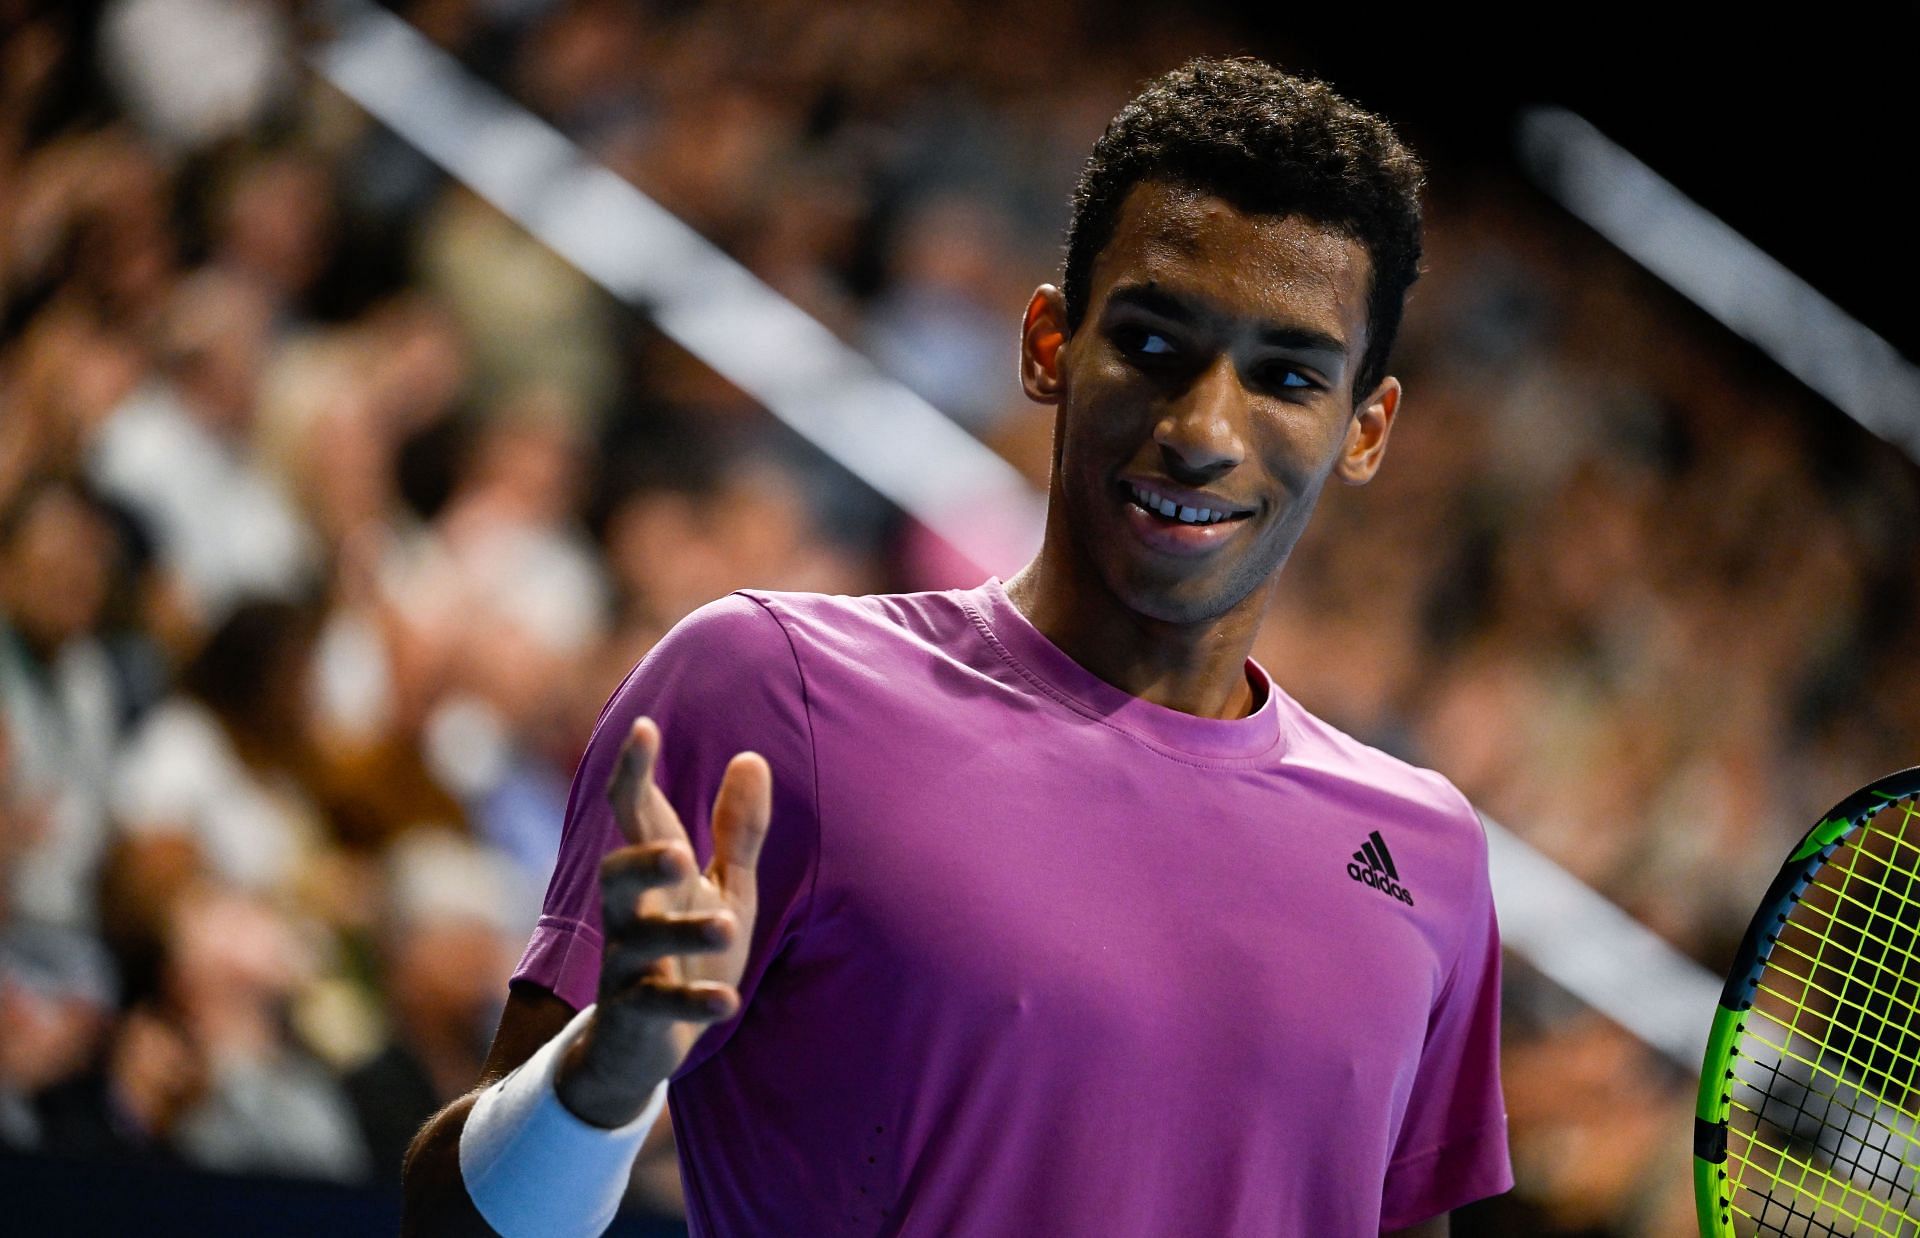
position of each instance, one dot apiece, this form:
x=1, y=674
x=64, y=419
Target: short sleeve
x=725, y=680
x=1452, y=1147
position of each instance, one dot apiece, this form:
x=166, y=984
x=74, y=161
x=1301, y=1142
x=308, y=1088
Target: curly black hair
x=1268, y=142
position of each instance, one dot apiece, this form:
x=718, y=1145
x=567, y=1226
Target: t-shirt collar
x=1052, y=668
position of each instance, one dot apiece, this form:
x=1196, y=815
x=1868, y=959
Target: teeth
x=1173, y=511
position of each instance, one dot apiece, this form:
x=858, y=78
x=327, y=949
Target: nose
x=1200, y=434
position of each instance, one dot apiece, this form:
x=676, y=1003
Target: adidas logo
x=1373, y=866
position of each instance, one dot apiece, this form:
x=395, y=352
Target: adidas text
x=1381, y=882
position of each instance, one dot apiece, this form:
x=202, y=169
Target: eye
x=1287, y=377
x=1140, y=341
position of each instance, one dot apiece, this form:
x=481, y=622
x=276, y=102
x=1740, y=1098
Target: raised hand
x=676, y=939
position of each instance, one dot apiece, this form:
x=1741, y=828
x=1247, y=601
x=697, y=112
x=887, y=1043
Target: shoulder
x=832, y=625
x=765, y=636
x=730, y=656
x=770, y=651
x=1335, y=754
x=768, y=616
x=738, y=623
x=1380, y=784
x=753, y=634
x=905, y=612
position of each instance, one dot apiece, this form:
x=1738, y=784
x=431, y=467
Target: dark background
x=1796, y=131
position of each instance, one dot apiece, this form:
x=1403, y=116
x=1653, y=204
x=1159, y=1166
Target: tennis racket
x=1808, y=1119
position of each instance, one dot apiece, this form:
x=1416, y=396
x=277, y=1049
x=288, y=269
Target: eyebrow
x=1180, y=309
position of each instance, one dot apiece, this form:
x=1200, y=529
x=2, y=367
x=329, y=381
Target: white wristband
x=532, y=1168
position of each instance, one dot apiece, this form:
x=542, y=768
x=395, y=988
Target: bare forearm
x=436, y=1198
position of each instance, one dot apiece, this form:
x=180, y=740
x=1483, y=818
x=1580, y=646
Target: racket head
x=1808, y=1115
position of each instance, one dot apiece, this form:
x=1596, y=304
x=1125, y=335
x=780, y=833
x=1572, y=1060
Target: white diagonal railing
x=698, y=296
x=1744, y=287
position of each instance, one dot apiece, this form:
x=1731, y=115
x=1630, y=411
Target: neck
x=1196, y=668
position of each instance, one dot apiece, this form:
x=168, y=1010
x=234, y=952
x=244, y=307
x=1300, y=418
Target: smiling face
x=1205, y=399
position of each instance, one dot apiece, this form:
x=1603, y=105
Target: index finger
x=641, y=812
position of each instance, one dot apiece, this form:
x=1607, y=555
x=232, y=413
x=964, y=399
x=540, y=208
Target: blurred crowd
x=332, y=507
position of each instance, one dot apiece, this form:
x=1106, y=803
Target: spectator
x=449, y=940
x=233, y=966
x=196, y=71
x=220, y=764
x=177, y=453
x=60, y=700
x=56, y=998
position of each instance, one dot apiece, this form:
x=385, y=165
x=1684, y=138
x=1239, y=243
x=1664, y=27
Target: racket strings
x=1860, y=1145
x=1794, y=1116
x=1823, y=1136
x=1886, y=996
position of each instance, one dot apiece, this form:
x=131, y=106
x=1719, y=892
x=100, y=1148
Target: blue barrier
x=59, y=1196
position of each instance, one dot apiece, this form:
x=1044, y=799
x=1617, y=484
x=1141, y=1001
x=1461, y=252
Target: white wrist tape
x=533, y=1169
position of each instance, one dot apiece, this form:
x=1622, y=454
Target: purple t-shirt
x=1036, y=956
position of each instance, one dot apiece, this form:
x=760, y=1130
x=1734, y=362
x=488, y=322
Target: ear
x=1043, y=340
x=1366, y=443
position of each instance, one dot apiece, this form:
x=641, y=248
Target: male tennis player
x=1039, y=908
